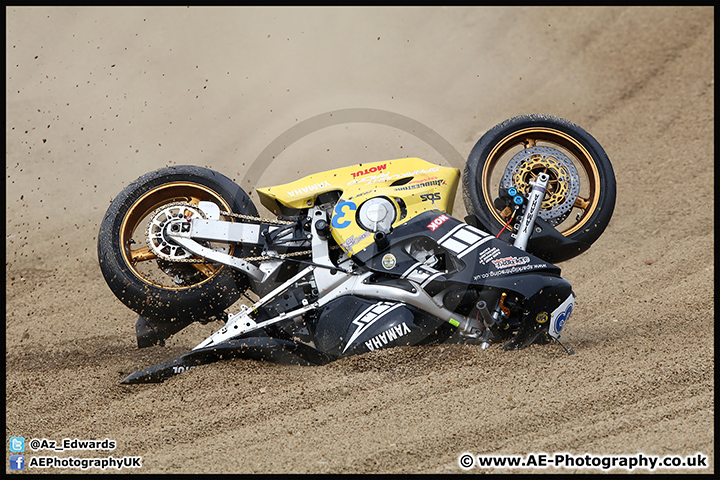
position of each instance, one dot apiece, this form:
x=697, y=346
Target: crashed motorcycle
x=363, y=257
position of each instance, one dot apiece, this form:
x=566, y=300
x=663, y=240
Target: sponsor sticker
x=437, y=222
x=424, y=184
x=389, y=261
x=368, y=171
x=560, y=316
x=353, y=240
x=488, y=254
x=507, y=262
x=430, y=197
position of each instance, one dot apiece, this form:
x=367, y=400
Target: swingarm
x=194, y=233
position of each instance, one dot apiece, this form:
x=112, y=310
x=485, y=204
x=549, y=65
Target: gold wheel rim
x=149, y=202
x=529, y=137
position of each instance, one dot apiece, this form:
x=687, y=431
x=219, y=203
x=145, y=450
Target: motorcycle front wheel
x=580, y=196
x=157, y=279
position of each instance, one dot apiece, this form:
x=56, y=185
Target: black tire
x=535, y=143
x=157, y=288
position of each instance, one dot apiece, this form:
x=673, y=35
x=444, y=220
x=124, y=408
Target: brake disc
x=563, y=187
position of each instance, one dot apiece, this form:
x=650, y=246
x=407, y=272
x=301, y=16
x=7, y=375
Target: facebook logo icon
x=17, y=462
x=17, y=444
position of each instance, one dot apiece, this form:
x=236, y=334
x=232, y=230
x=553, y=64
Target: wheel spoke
x=529, y=142
x=194, y=200
x=142, y=255
x=205, y=269
x=581, y=203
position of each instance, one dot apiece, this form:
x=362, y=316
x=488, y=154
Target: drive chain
x=240, y=216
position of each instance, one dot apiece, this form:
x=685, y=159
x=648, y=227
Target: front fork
x=534, y=203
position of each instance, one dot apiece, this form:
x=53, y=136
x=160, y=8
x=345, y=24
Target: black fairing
x=353, y=325
x=472, y=259
x=470, y=256
x=258, y=348
x=538, y=310
x=547, y=243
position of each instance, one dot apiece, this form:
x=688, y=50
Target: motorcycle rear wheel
x=581, y=193
x=159, y=288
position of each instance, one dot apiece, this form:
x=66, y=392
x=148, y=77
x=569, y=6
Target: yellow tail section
x=412, y=185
